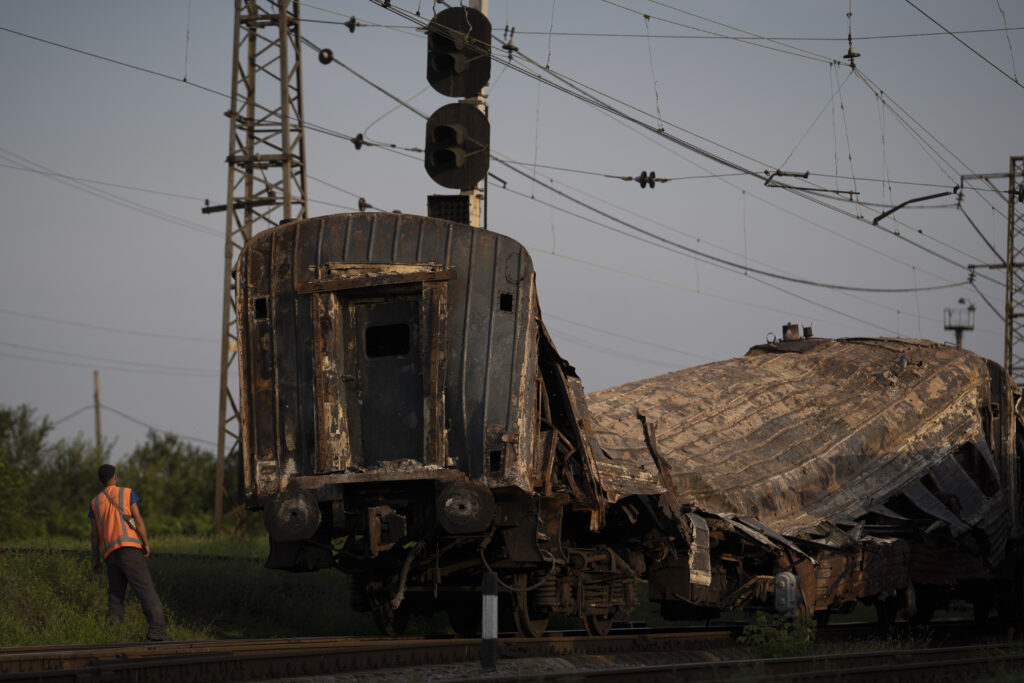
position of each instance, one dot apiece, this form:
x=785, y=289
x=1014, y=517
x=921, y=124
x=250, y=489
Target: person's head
x=107, y=474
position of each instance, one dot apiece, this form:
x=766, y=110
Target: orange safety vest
x=114, y=531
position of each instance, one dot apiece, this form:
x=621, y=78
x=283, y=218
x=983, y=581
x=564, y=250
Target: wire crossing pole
x=478, y=195
x=96, y=408
x=266, y=170
x=1014, y=339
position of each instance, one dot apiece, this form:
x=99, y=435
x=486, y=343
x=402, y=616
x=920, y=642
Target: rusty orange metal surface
x=815, y=437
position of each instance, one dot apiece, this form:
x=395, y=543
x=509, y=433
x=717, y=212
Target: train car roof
x=795, y=433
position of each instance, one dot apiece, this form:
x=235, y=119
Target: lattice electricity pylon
x=1014, y=340
x=266, y=168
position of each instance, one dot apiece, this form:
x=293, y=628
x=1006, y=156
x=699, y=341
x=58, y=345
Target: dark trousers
x=127, y=566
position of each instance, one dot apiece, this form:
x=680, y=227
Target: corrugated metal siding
x=491, y=354
x=793, y=439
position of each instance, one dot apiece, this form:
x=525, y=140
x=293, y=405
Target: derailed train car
x=406, y=419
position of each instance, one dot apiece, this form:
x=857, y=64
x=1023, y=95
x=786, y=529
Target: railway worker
x=119, y=530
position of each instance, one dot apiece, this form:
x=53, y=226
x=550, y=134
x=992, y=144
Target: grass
x=211, y=588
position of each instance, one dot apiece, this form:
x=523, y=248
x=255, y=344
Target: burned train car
x=825, y=472
x=406, y=419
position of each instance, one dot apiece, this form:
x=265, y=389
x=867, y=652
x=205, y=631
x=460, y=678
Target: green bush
x=49, y=485
x=768, y=637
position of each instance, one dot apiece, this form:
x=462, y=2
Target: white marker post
x=489, y=623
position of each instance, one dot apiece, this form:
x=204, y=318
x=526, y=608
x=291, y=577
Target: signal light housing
x=459, y=52
x=457, y=146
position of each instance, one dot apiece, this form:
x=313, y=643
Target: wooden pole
x=96, y=404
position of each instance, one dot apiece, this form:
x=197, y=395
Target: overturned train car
x=406, y=419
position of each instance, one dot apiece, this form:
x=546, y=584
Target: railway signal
x=458, y=136
x=459, y=52
x=457, y=150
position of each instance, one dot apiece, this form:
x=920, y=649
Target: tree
x=22, y=439
x=175, y=482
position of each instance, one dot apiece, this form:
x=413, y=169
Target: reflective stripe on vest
x=114, y=531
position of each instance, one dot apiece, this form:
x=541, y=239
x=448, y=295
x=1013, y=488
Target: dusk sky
x=113, y=135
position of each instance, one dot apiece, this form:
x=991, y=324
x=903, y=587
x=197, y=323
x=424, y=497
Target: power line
x=957, y=38
x=617, y=353
x=113, y=61
x=628, y=338
x=68, y=417
x=134, y=364
x=588, y=98
x=28, y=164
x=107, y=328
x=709, y=258
x=92, y=181
x=840, y=39
x=93, y=366
x=155, y=429
x=580, y=95
x=583, y=93
x=796, y=52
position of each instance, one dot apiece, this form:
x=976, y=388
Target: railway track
x=641, y=653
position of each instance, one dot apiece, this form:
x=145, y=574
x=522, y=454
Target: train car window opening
x=505, y=301
x=259, y=308
x=494, y=463
x=978, y=469
x=903, y=506
x=387, y=340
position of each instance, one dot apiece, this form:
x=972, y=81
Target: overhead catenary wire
x=313, y=46
x=403, y=103
x=106, y=328
x=620, y=271
x=601, y=105
x=131, y=364
x=796, y=52
x=1009, y=43
x=93, y=181
x=746, y=171
x=711, y=259
x=166, y=432
x=108, y=196
x=111, y=368
x=704, y=36
x=714, y=295
x=575, y=89
x=957, y=38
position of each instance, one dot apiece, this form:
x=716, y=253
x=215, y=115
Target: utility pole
x=266, y=169
x=959, y=320
x=478, y=195
x=1013, y=337
x=96, y=407
x=457, y=148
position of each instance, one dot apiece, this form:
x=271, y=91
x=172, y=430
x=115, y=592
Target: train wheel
x=390, y=621
x=981, y=605
x=598, y=625
x=886, y=609
x=531, y=620
x=926, y=599
x=464, y=617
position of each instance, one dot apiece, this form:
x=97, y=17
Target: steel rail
x=261, y=658
x=968, y=663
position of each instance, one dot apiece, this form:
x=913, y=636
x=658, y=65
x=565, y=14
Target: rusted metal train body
x=406, y=419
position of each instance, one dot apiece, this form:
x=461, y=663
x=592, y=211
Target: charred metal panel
x=308, y=290
x=803, y=436
x=699, y=539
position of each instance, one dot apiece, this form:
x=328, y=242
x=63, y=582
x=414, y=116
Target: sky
x=113, y=136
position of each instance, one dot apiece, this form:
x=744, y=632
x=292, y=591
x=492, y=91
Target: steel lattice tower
x=266, y=168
